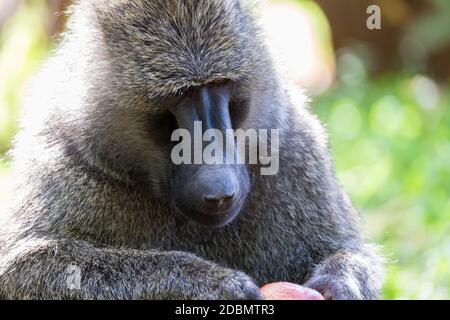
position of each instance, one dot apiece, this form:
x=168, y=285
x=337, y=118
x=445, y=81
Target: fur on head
x=160, y=47
x=132, y=55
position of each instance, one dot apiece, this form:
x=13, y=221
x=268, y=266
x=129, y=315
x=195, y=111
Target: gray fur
x=92, y=159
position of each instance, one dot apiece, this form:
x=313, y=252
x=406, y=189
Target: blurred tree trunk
x=348, y=23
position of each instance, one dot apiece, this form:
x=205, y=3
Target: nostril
x=215, y=198
x=218, y=200
x=228, y=196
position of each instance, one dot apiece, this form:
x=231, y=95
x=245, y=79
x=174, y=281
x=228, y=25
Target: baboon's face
x=211, y=194
x=193, y=59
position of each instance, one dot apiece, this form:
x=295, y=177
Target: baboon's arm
x=348, y=274
x=63, y=269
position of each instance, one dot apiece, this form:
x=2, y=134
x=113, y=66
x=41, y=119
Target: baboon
x=101, y=211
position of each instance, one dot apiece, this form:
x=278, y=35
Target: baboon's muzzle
x=211, y=193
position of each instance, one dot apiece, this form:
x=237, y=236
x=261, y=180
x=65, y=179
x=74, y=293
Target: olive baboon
x=98, y=193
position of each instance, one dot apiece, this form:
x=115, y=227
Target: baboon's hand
x=240, y=286
x=228, y=284
x=334, y=287
x=348, y=275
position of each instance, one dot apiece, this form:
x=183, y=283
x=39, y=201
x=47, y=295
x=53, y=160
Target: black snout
x=210, y=195
x=217, y=191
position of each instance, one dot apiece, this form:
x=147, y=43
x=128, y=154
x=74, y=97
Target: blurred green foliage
x=390, y=139
x=23, y=43
x=391, y=149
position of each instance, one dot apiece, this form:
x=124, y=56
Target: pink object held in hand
x=289, y=291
